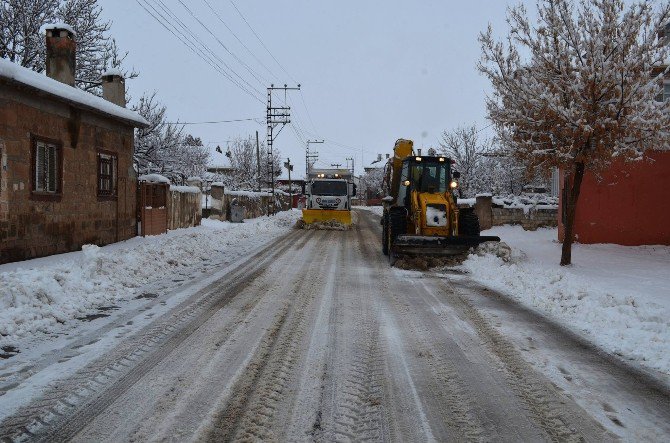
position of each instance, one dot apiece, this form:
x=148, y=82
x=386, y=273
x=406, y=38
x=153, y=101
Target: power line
x=257, y=120
x=165, y=23
x=247, y=67
x=202, y=44
x=238, y=39
x=261, y=41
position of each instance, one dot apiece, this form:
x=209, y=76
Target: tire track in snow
x=544, y=405
x=260, y=395
x=70, y=405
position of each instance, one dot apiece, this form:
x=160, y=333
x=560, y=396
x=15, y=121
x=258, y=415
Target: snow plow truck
x=329, y=193
x=421, y=216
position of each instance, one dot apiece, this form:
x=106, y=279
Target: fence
x=183, y=207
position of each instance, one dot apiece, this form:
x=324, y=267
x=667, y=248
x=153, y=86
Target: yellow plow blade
x=325, y=215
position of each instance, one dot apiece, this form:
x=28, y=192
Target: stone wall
x=533, y=219
x=184, y=209
x=495, y=215
x=31, y=226
x=255, y=203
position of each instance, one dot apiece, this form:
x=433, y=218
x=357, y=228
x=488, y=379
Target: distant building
x=66, y=157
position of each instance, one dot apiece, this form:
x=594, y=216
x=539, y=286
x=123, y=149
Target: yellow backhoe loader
x=421, y=217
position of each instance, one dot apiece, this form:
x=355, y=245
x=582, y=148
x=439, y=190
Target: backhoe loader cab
x=420, y=213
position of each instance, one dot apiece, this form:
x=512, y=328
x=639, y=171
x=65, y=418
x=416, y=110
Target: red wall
x=629, y=206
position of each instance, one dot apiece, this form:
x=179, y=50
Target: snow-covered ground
x=617, y=297
x=44, y=296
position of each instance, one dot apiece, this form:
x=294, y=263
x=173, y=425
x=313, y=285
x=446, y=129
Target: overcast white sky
x=371, y=72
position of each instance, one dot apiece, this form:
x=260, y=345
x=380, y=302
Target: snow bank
x=43, y=295
x=618, y=297
x=27, y=77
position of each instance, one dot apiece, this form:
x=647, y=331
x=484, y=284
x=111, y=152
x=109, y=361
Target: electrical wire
x=263, y=44
x=240, y=61
x=165, y=23
x=257, y=120
x=194, y=37
x=216, y=14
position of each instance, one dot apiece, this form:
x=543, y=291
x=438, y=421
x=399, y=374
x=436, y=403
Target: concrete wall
x=630, y=205
x=31, y=227
x=184, y=209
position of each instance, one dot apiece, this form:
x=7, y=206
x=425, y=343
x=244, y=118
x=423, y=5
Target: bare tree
x=244, y=160
x=467, y=149
x=575, y=90
x=157, y=145
x=22, y=42
x=20, y=38
x=96, y=51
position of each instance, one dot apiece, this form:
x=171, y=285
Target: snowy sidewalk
x=44, y=295
x=617, y=297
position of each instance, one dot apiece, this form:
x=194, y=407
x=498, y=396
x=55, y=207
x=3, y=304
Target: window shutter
x=39, y=166
x=52, y=170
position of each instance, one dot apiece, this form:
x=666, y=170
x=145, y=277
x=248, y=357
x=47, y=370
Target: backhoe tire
x=468, y=223
x=385, y=234
x=397, y=225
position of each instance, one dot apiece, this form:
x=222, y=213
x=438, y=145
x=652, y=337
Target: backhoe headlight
x=453, y=184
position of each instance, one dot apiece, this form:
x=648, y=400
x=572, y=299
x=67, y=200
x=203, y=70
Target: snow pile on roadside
x=615, y=296
x=61, y=288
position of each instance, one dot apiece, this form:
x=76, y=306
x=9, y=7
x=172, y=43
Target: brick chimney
x=61, y=52
x=114, y=87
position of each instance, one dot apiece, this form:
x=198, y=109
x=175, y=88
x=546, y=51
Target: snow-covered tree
x=468, y=149
x=372, y=183
x=575, y=90
x=22, y=42
x=243, y=159
x=163, y=148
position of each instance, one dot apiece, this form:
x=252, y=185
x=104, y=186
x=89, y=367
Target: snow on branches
x=578, y=88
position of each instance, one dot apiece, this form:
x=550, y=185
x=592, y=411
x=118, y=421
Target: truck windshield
x=430, y=176
x=329, y=187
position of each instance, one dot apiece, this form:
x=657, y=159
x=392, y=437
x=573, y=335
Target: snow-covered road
x=315, y=337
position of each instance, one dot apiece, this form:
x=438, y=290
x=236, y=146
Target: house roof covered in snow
x=24, y=77
x=219, y=160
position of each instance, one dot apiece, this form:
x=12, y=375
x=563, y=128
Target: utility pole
x=309, y=156
x=258, y=163
x=336, y=165
x=350, y=159
x=275, y=115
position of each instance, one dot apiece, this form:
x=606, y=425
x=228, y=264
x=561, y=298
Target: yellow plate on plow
x=325, y=215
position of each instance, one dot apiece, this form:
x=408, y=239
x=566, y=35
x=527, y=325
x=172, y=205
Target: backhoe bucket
x=310, y=216
x=420, y=245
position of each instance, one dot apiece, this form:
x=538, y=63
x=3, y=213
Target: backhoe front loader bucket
x=420, y=245
x=310, y=216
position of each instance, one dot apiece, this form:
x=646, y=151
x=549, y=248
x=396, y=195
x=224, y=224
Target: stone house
x=66, y=157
